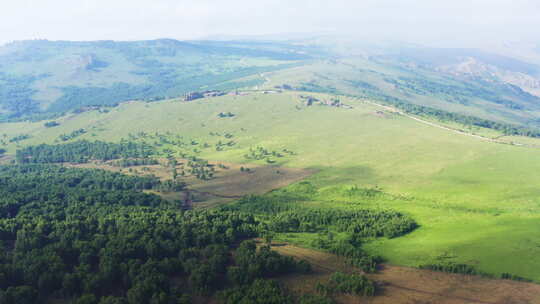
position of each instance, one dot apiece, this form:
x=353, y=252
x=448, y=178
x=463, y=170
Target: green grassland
x=392, y=79
x=41, y=78
x=476, y=202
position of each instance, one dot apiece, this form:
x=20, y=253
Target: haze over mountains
x=43, y=76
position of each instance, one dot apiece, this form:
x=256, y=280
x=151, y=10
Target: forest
x=282, y=211
x=82, y=151
x=16, y=94
x=93, y=236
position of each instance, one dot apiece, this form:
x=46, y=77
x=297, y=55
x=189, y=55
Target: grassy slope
x=476, y=202
x=349, y=74
x=69, y=75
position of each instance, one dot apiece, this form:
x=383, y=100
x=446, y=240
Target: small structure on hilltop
x=284, y=87
x=213, y=93
x=197, y=95
x=333, y=102
x=238, y=93
x=192, y=96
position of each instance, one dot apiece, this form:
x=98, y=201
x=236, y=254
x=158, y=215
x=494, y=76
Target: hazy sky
x=410, y=20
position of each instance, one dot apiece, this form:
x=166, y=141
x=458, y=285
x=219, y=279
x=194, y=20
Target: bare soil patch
x=405, y=285
x=228, y=183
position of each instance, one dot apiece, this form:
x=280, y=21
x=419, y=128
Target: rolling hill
x=57, y=76
x=412, y=156
x=466, y=83
x=40, y=79
x=475, y=201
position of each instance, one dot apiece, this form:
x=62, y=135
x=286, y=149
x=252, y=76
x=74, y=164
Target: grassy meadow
x=476, y=202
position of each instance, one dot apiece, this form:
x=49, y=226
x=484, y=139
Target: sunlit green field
x=476, y=202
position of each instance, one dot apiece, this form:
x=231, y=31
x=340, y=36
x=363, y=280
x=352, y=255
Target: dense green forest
x=16, y=94
x=94, y=237
x=83, y=151
x=282, y=211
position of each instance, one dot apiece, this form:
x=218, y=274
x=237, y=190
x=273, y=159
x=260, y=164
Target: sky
x=406, y=20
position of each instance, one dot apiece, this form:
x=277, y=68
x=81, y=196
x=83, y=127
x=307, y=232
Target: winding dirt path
x=457, y=131
x=394, y=110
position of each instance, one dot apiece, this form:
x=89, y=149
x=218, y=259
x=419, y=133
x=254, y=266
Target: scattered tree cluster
x=199, y=168
x=258, y=292
x=72, y=135
x=513, y=277
x=282, y=214
x=51, y=124
x=347, y=283
x=221, y=145
x=169, y=144
x=130, y=162
x=226, y=115
x=451, y=267
x=19, y=138
x=245, y=169
x=260, y=153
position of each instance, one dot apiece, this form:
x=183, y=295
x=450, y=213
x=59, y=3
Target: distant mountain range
x=40, y=78
x=55, y=76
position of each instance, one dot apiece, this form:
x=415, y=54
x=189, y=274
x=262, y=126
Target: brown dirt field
x=227, y=184
x=404, y=285
x=261, y=179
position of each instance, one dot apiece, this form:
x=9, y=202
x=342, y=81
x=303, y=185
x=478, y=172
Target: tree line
x=82, y=151
x=281, y=211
